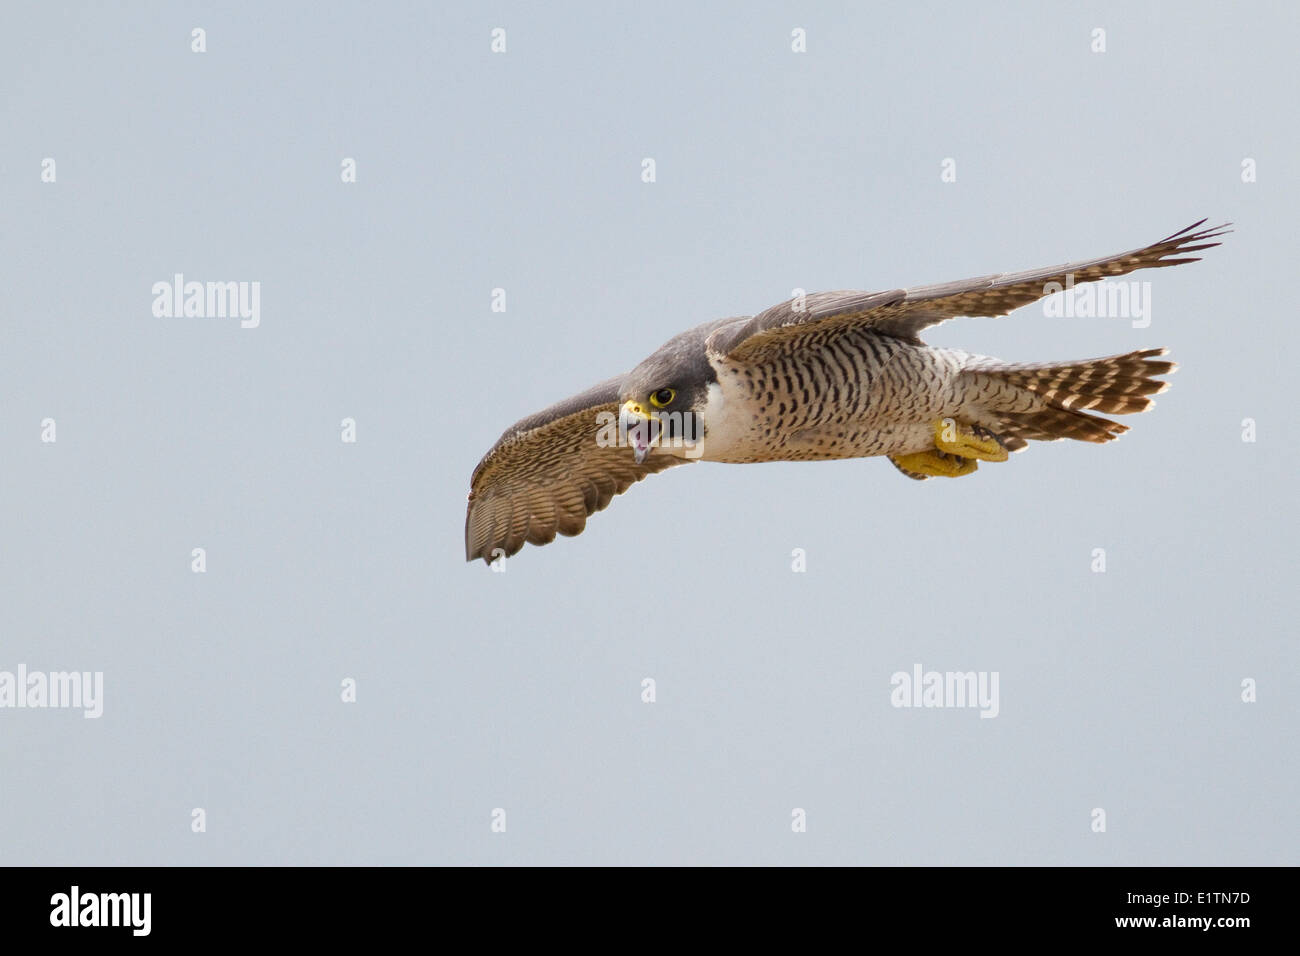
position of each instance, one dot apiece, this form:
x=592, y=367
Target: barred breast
x=852, y=396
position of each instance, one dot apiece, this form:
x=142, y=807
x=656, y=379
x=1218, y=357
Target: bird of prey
x=828, y=375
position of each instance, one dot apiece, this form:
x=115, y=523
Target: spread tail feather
x=1116, y=385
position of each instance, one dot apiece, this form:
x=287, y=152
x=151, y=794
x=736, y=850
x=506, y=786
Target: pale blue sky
x=521, y=690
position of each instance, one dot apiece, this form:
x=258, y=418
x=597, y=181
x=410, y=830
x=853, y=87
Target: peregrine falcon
x=828, y=375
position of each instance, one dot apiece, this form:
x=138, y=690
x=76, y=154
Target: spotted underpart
x=860, y=394
x=845, y=395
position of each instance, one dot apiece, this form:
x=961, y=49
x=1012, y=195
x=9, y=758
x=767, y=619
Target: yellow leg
x=967, y=441
x=927, y=464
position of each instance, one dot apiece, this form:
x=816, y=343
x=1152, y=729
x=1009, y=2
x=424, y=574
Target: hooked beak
x=640, y=428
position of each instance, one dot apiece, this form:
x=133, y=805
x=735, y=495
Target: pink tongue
x=639, y=440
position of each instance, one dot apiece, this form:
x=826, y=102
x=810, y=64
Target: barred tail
x=1117, y=385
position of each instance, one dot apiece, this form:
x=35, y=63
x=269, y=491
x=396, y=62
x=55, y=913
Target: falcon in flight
x=829, y=375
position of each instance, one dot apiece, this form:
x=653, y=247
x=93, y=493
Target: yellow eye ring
x=662, y=398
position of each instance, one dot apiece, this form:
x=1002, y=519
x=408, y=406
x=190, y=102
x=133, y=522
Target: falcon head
x=663, y=400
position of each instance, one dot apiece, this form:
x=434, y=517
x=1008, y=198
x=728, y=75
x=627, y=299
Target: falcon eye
x=662, y=398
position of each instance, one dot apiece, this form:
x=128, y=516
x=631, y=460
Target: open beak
x=640, y=427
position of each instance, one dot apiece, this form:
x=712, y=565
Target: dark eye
x=662, y=398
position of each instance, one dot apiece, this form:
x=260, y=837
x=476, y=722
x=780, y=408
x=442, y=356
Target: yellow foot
x=936, y=464
x=967, y=441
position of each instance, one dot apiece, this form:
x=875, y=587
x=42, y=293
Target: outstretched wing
x=548, y=473
x=903, y=313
